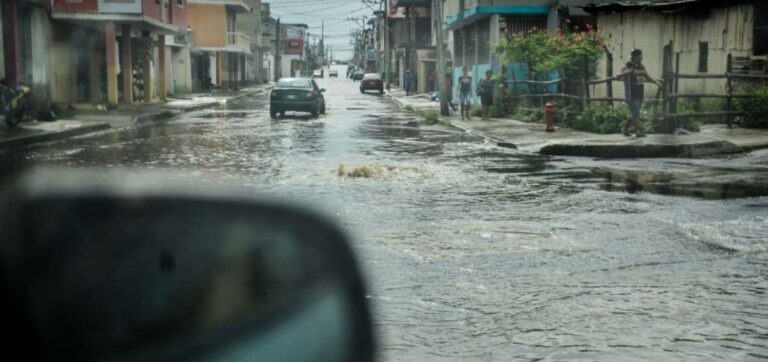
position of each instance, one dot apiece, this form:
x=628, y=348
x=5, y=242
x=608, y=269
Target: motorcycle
x=15, y=103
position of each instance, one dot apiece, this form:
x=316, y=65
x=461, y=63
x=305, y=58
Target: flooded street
x=475, y=252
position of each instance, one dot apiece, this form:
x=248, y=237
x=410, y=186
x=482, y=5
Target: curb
x=51, y=136
x=474, y=132
x=712, y=148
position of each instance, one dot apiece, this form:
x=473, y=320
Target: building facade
x=702, y=38
x=219, y=51
x=292, y=49
x=106, y=51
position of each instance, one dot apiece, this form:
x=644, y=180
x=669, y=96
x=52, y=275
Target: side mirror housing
x=134, y=267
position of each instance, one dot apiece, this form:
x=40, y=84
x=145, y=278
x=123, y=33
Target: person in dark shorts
x=465, y=93
x=634, y=75
x=485, y=91
x=449, y=91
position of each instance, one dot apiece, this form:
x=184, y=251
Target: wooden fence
x=668, y=94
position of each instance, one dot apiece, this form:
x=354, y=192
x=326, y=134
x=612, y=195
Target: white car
x=333, y=73
x=318, y=73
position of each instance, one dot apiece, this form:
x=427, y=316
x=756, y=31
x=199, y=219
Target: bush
x=756, y=108
x=600, y=119
x=528, y=114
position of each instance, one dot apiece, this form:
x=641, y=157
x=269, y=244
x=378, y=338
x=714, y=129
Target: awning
x=476, y=13
x=137, y=21
x=659, y=5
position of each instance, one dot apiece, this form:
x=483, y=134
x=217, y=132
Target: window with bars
x=523, y=23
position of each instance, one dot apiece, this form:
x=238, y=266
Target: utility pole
x=322, y=43
x=278, y=51
x=437, y=20
x=387, y=46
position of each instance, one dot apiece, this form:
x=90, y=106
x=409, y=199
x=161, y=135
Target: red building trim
x=76, y=5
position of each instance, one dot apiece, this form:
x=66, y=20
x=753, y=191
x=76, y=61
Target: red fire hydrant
x=549, y=112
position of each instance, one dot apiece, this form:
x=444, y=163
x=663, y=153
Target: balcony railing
x=239, y=42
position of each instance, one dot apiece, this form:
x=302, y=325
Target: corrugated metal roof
x=659, y=5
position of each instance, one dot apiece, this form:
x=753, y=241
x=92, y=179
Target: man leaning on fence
x=634, y=75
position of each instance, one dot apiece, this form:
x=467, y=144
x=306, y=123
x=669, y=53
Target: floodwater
x=475, y=252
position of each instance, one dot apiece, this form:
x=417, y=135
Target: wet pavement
x=476, y=252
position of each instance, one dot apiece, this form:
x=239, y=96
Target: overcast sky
x=334, y=12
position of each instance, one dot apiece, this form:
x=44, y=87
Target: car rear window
x=294, y=83
x=371, y=76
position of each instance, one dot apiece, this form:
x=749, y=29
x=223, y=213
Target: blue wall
x=520, y=71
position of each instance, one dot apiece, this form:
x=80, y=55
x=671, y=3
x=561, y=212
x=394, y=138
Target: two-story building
x=218, y=50
x=475, y=26
x=251, y=24
x=105, y=51
x=410, y=31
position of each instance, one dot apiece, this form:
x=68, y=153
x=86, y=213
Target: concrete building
x=106, y=51
x=292, y=49
x=702, y=32
x=218, y=50
x=476, y=25
x=25, y=45
x=410, y=31
x=270, y=48
x=252, y=25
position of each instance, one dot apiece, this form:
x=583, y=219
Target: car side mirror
x=322, y=90
x=131, y=266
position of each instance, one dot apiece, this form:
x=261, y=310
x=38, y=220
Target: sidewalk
x=530, y=137
x=85, y=121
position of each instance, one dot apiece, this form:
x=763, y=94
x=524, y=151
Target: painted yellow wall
x=209, y=25
x=727, y=30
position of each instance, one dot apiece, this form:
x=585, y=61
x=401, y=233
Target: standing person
x=634, y=75
x=408, y=80
x=449, y=91
x=485, y=91
x=465, y=93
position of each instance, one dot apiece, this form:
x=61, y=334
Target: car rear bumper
x=301, y=106
x=372, y=86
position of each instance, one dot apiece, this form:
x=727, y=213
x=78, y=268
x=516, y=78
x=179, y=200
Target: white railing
x=239, y=42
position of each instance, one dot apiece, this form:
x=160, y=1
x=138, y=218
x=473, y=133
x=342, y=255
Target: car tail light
x=273, y=94
x=310, y=95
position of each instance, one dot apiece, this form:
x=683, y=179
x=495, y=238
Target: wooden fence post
x=667, y=85
x=584, y=80
x=729, y=90
x=609, y=75
x=676, y=90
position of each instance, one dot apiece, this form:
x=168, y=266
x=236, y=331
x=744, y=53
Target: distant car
x=372, y=81
x=333, y=73
x=318, y=73
x=358, y=75
x=350, y=70
x=296, y=94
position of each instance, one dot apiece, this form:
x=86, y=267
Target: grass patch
x=432, y=117
x=408, y=108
